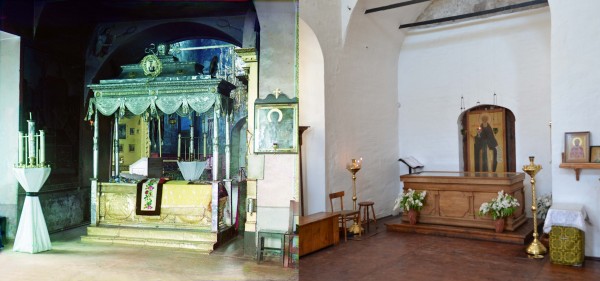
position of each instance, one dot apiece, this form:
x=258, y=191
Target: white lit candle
x=220, y=70
x=178, y=146
x=31, y=141
x=42, y=147
x=205, y=130
x=21, y=149
x=191, y=142
x=37, y=149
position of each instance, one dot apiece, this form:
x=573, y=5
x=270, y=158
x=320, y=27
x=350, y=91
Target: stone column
x=249, y=57
x=215, y=165
x=94, y=185
x=116, y=145
x=227, y=179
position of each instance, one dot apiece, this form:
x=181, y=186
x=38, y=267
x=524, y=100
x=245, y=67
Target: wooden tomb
x=454, y=198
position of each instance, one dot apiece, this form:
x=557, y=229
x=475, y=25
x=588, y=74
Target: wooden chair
x=290, y=257
x=345, y=215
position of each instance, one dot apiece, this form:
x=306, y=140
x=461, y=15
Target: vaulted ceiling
x=65, y=27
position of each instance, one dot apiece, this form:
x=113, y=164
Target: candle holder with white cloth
x=190, y=166
x=31, y=172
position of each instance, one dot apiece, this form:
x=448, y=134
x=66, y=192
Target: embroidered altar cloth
x=149, y=197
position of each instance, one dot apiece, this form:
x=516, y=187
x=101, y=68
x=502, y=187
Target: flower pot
x=499, y=224
x=413, y=216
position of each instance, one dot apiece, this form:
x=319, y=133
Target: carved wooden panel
x=454, y=198
x=455, y=204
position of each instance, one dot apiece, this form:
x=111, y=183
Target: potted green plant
x=412, y=201
x=543, y=205
x=504, y=205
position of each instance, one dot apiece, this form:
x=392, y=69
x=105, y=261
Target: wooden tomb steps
x=521, y=235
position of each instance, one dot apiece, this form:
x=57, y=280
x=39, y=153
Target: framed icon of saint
x=486, y=141
x=577, y=147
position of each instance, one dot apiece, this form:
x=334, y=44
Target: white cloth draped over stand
x=32, y=234
x=565, y=214
x=191, y=170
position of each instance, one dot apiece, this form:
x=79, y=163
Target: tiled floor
x=386, y=255
x=70, y=259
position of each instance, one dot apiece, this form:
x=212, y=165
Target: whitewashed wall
x=508, y=55
x=312, y=113
x=9, y=118
x=575, y=102
x=360, y=101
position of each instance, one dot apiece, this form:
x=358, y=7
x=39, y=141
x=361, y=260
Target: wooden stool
x=364, y=206
x=261, y=249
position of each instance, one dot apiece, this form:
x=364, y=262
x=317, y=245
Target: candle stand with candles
x=31, y=172
x=354, y=167
x=536, y=249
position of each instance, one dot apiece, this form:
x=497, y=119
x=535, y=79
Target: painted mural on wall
x=106, y=37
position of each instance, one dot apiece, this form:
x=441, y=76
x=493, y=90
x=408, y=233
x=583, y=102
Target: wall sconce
x=251, y=205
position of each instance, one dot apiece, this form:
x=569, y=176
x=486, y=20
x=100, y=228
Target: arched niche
x=488, y=139
x=239, y=147
x=132, y=48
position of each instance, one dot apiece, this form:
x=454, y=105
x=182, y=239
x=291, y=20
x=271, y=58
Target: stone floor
x=70, y=259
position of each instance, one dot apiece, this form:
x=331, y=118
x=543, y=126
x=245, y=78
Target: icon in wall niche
x=131, y=147
x=486, y=135
x=131, y=131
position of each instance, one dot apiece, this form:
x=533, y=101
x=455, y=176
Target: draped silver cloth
x=182, y=104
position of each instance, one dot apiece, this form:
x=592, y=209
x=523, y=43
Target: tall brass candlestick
x=536, y=249
x=354, y=167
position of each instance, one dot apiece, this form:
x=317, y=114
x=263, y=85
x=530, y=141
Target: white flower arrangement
x=412, y=200
x=543, y=205
x=502, y=206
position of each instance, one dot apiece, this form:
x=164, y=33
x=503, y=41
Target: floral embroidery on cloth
x=149, y=194
x=148, y=197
